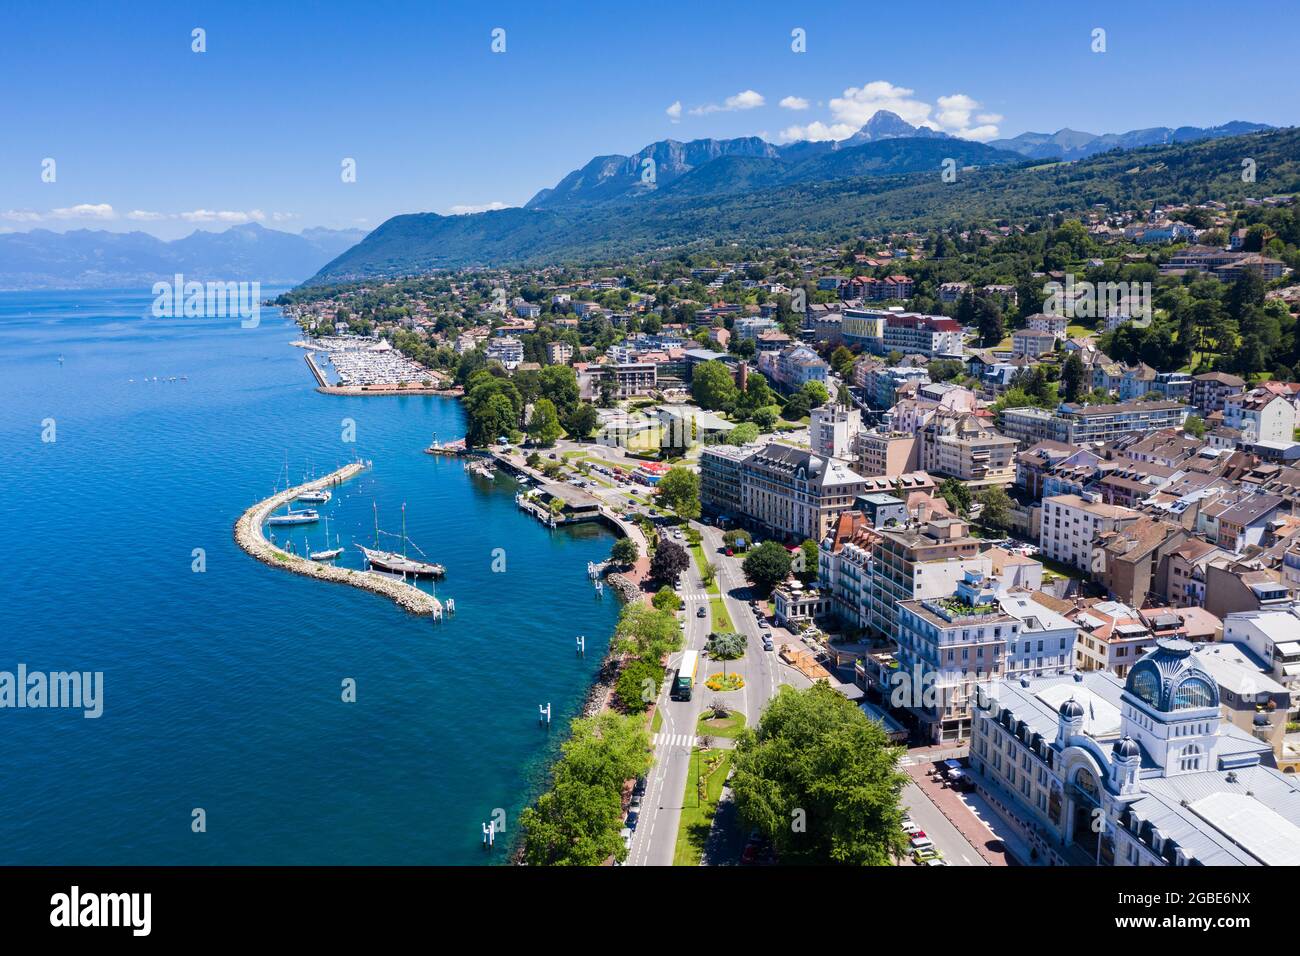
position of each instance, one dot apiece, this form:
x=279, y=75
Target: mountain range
x=93, y=258
x=1073, y=144
x=725, y=191
x=661, y=166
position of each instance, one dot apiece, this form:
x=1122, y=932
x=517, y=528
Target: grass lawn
x=658, y=720
x=1056, y=567
x=697, y=814
x=729, y=726
x=721, y=619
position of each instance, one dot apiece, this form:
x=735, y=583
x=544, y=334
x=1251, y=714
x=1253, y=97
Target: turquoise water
x=223, y=688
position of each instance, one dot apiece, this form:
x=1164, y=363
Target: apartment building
x=1045, y=644
x=917, y=563
x=1032, y=342
x=558, y=353
x=928, y=335
x=1055, y=325
x=886, y=453
x=962, y=446
x=1085, y=424
x=720, y=480
x=833, y=429
x=1260, y=415
x=794, y=493
x=1071, y=524
x=946, y=645
x=1112, y=637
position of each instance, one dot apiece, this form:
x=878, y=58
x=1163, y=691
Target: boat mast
x=375, y=504
x=403, y=529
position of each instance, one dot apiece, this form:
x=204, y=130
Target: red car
x=730, y=553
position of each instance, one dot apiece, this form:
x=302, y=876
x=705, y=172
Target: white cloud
x=744, y=100
x=85, y=210
x=143, y=215
x=818, y=132
x=859, y=103
x=794, y=103
x=675, y=111
x=284, y=216
x=464, y=209
x=234, y=217
x=952, y=114
x=23, y=215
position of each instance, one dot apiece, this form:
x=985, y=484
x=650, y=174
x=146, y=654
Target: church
x=1089, y=770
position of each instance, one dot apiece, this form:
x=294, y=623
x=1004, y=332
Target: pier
x=250, y=537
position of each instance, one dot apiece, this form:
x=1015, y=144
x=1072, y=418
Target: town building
x=1087, y=770
x=833, y=429
x=1071, y=525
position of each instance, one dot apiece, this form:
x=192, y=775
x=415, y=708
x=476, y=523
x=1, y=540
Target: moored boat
x=305, y=516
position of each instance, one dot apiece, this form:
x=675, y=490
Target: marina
x=249, y=536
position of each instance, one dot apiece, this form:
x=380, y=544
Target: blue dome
x=1169, y=679
x=1126, y=748
x=1071, y=709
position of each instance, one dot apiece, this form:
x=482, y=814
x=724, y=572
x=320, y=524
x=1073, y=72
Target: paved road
x=655, y=837
x=956, y=849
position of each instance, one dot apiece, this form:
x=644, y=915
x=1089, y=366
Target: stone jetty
x=250, y=537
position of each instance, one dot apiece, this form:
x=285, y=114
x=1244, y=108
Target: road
x=654, y=839
x=956, y=849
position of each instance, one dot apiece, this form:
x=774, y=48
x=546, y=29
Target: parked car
x=910, y=827
x=924, y=856
x=626, y=834
x=767, y=643
x=936, y=861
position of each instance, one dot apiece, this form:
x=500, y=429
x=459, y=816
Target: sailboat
x=304, y=516
x=395, y=563
x=329, y=554
x=319, y=497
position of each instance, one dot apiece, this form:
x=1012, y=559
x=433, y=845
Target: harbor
x=249, y=536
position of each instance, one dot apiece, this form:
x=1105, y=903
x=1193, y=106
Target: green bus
x=684, y=681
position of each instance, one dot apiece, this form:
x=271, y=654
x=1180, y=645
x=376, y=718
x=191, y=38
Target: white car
x=626, y=834
x=909, y=826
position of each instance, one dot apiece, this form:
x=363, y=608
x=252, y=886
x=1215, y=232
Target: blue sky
x=147, y=134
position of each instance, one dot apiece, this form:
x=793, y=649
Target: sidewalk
x=986, y=843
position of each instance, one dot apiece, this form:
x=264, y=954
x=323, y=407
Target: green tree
x=1195, y=426
x=666, y=599
x=624, y=551
x=712, y=386
x=646, y=632
x=726, y=647
x=669, y=562
x=842, y=360
x=743, y=434
x=582, y=421
x=679, y=491
x=544, y=425
x=816, y=756
x=577, y=821
x=818, y=393
x=810, y=556
x=956, y=494
x=997, y=507
x=1072, y=377
x=767, y=566
x=638, y=685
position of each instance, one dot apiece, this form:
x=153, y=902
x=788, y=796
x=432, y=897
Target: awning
x=1290, y=670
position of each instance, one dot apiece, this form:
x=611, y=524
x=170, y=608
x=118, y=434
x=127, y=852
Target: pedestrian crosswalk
x=694, y=595
x=675, y=740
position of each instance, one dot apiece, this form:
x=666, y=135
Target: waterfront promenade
x=250, y=537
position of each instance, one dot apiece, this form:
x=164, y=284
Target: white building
x=1086, y=770
x=1045, y=644
x=833, y=430
x=1071, y=523
x=1260, y=415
